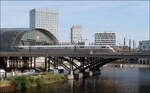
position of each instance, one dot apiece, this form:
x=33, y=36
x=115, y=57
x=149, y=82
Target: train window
x=81, y=46
x=20, y=48
x=103, y=47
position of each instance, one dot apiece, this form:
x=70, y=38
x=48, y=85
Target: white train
x=67, y=48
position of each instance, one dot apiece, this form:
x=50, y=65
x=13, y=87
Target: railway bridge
x=88, y=61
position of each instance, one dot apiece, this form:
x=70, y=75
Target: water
x=111, y=80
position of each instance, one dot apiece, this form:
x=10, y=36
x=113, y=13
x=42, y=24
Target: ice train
x=66, y=48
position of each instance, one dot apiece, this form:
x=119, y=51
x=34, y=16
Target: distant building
x=46, y=19
x=144, y=45
x=76, y=35
x=64, y=43
x=105, y=38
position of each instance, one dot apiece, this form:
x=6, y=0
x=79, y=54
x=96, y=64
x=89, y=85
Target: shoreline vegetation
x=27, y=81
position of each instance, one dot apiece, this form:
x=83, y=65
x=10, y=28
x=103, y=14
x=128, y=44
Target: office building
x=76, y=34
x=45, y=19
x=105, y=38
x=144, y=45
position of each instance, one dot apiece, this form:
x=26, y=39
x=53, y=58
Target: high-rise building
x=46, y=19
x=105, y=38
x=76, y=34
x=144, y=45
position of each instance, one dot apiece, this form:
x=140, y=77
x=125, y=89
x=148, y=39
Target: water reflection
x=111, y=80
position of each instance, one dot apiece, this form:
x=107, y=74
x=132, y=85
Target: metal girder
x=98, y=65
x=79, y=54
x=70, y=61
x=60, y=63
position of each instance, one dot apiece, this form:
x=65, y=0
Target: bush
x=40, y=81
x=20, y=82
x=58, y=77
x=49, y=74
x=32, y=80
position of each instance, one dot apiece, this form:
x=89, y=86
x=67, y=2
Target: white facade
x=105, y=38
x=46, y=19
x=76, y=34
x=144, y=45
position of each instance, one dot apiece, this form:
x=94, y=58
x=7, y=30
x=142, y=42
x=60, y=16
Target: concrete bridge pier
x=91, y=73
x=71, y=72
x=49, y=64
x=8, y=62
x=30, y=58
x=34, y=58
x=79, y=75
x=46, y=62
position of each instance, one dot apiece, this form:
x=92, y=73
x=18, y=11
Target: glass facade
x=105, y=38
x=35, y=37
x=12, y=37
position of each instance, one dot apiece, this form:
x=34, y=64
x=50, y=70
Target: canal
x=113, y=79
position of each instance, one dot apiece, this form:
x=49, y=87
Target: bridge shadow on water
x=111, y=80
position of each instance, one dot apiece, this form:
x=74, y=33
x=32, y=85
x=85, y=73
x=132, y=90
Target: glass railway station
x=12, y=37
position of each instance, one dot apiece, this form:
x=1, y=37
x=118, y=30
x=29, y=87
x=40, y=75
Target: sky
x=128, y=19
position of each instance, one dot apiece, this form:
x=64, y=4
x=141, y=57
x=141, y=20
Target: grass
x=4, y=83
x=20, y=82
x=26, y=81
x=40, y=81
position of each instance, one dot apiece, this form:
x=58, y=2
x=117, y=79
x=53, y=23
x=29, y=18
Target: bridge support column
x=70, y=76
x=90, y=73
x=17, y=62
x=45, y=63
x=79, y=75
x=13, y=64
x=31, y=62
x=71, y=73
x=49, y=64
x=82, y=65
x=28, y=65
x=20, y=61
x=71, y=66
x=34, y=62
x=8, y=63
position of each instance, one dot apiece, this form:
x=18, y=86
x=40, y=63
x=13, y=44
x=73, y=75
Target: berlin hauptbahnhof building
x=13, y=37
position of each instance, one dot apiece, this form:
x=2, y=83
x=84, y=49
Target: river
x=112, y=79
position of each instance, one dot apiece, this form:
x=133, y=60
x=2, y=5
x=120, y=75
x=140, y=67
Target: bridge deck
x=80, y=54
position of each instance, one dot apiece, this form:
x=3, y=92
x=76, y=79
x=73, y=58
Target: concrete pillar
x=71, y=73
x=80, y=75
x=30, y=62
x=70, y=76
x=34, y=62
x=17, y=62
x=90, y=73
x=16, y=65
x=46, y=64
x=13, y=65
x=27, y=60
x=5, y=61
x=71, y=66
x=8, y=64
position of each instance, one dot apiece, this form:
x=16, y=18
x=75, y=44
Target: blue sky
x=128, y=19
